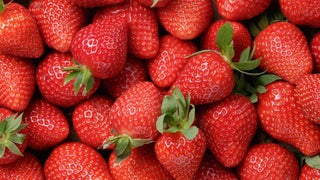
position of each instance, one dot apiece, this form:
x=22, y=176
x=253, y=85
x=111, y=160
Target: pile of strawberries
x=159, y=89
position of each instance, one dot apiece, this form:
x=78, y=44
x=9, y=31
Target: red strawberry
x=241, y=9
x=186, y=19
x=307, y=95
x=13, y=141
x=28, y=168
x=171, y=59
x=50, y=77
x=47, y=125
x=141, y=164
x=58, y=21
x=280, y=116
x=17, y=82
x=305, y=12
x=229, y=126
x=133, y=72
x=90, y=120
x=309, y=173
x=95, y=3
x=19, y=35
x=74, y=160
x=315, y=50
x=269, y=161
x=143, y=41
x=284, y=51
x=154, y=3
x=241, y=37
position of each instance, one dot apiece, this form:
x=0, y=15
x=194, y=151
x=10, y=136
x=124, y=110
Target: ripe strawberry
x=186, y=19
x=17, y=82
x=241, y=9
x=58, y=21
x=74, y=160
x=154, y=3
x=13, y=141
x=269, y=161
x=47, y=125
x=315, y=50
x=229, y=126
x=90, y=120
x=307, y=95
x=305, y=12
x=19, y=35
x=143, y=41
x=28, y=168
x=50, y=77
x=309, y=173
x=241, y=37
x=141, y=164
x=95, y=3
x=280, y=116
x=133, y=72
x=171, y=59
x=284, y=51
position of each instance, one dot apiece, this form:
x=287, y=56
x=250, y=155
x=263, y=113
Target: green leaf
x=121, y=146
x=20, y=128
x=191, y=118
x=313, y=161
x=168, y=105
x=261, y=89
x=245, y=55
x=17, y=138
x=224, y=36
x=123, y=156
x=2, y=150
x=89, y=86
x=70, y=76
x=267, y=79
x=160, y=124
x=179, y=96
x=247, y=65
x=13, y=148
x=254, y=29
x=263, y=22
x=13, y=122
x=253, y=98
x=78, y=82
x=2, y=6
x=3, y=126
x=134, y=143
x=190, y=133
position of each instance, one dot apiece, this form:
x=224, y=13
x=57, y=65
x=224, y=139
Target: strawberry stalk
x=155, y=2
x=2, y=6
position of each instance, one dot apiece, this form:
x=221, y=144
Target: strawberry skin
x=284, y=51
x=95, y=3
x=309, y=173
x=315, y=50
x=74, y=160
x=269, y=161
x=17, y=82
x=58, y=21
x=186, y=19
x=19, y=34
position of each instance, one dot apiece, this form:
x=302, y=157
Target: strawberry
x=170, y=60
x=305, y=12
x=307, y=95
x=154, y=3
x=95, y=3
x=143, y=40
x=74, y=160
x=241, y=37
x=309, y=173
x=13, y=141
x=47, y=125
x=133, y=72
x=58, y=22
x=241, y=9
x=280, y=116
x=269, y=161
x=229, y=126
x=90, y=120
x=191, y=18
x=19, y=34
x=50, y=77
x=17, y=82
x=284, y=51
x=315, y=50
x=141, y=164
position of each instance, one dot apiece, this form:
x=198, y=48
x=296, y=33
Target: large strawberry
x=58, y=21
x=315, y=51
x=301, y=12
x=186, y=19
x=74, y=160
x=284, y=51
x=281, y=117
x=50, y=77
x=143, y=41
x=19, y=34
x=17, y=82
x=28, y=167
x=170, y=60
x=269, y=161
x=95, y=3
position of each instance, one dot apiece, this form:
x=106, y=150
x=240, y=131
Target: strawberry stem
x=2, y=6
x=155, y=2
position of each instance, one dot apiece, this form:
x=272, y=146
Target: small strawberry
x=95, y=3
x=284, y=51
x=17, y=82
x=19, y=34
x=50, y=77
x=315, y=50
x=90, y=120
x=170, y=60
x=58, y=21
x=269, y=161
x=47, y=125
x=28, y=167
x=186, y=19
x=154, y=3
x=308, y=172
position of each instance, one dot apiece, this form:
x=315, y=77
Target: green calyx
x=2, y=6
x=313, y=161
x=10, y=136
x=82, y=77
x=177, y=115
